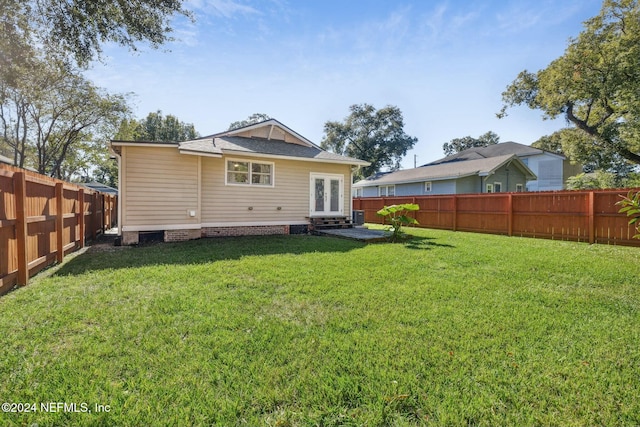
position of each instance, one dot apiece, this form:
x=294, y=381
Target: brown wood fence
x=584, y=216
x=43, y=219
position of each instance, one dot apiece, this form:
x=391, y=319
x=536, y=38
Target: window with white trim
x=519, y=188
x=427, y=187
x=357, y=192
x=387, y=190
x=489, y=188
x=497, y=187
x=240, y=172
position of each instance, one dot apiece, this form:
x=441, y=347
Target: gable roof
x=445, y=171
x=271, y=125
x=269, y=139
x=494, y=150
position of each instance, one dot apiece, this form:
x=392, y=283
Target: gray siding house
x=483, y=175
x=551, y=169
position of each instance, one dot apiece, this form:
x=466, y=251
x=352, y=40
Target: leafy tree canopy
x=156, y=127
x=251, y=120
x=53, y=119
x=460, y=144
x=79, y=27
x=376, y=136
x=594, y=84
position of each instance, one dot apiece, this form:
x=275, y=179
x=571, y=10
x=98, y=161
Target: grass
x=445, y=329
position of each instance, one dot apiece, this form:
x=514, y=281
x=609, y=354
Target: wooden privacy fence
x=42, y=219
x=584, y=216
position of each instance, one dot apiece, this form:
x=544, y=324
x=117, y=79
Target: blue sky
x=443, y=63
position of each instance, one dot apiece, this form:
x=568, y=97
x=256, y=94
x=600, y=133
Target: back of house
x=260, y=179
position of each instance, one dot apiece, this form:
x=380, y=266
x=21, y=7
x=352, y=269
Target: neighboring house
x=6, y=160
x=260, y=179
x=483, y=175
x=551, y=169
x=98, y=186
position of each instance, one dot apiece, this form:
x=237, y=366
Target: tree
x=460, y=144
x=53, y=116
x=376, y=136
x=594, y=84
x=156, y=127
x=77, y=28
x=251, y=120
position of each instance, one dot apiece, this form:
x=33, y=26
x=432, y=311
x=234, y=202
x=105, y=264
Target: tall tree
x=52, y=115
x=594, y=84
x=460, y=144
x=79, y=27
x=376, y=136
x=251, y=120
x=156, y=127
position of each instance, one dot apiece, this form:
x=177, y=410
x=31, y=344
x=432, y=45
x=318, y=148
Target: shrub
x=631, y=205
x=397, y=216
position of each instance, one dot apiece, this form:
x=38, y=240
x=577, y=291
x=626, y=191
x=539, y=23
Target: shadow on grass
x=106, y=256
x=424, y=243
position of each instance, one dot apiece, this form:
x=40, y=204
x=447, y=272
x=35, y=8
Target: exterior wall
x=160, y=187
x=370, y=192
x=443, y=187
x=291, y=193
x=507, y=179
x=469, y=185
x=549, y=170
x=410, y=189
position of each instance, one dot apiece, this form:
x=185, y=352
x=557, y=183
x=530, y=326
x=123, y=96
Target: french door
x=327, y=194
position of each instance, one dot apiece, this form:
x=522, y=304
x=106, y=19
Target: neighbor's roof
x=6, y=160
x=443, y=171
x=97, y=186
x=494, y=150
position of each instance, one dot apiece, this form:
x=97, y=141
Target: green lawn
x=446, y=329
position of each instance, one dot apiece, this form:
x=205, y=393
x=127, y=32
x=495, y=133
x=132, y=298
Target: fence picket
x=37, y=222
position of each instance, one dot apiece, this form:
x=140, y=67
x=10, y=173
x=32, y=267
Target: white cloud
x=224, y=8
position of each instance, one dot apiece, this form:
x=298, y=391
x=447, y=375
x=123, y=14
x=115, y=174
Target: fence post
x=20, y=191
x=81, y=216
x=59, y=222
x=591, y=213
x=455, y=212
x=103, y=210
x=510, y=214
x=94, y=215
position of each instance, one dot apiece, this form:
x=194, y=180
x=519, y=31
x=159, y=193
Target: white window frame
x=386, y=191
x=428, y=187
x=357, y=192
x=497, y=187
x=489, y=188
x=250, y=173
x=519, y=188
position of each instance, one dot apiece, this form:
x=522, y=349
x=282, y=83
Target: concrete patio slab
x=356, y=233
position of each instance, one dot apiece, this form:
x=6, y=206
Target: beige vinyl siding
x=160, y=186
x=230, y=203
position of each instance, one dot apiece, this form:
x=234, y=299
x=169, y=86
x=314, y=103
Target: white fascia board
x=144, y=144
x=200, y=153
